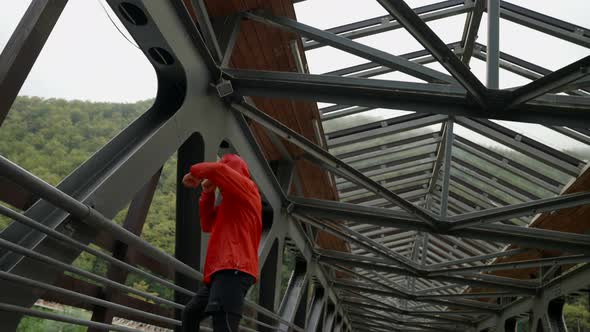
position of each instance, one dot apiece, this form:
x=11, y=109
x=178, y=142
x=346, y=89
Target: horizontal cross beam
x=417, y=97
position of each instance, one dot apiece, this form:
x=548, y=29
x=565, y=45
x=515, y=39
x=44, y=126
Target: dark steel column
x=330, y=317
x=555, y=315
x=510, y=325
x=295, y=295
x=270, y=284
x=188, y=228
x=316, y=310
x=301, y=314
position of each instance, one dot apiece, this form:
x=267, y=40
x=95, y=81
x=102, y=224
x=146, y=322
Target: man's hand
x=208, y=186
x=190, y=181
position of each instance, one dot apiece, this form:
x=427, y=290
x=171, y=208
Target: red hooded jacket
x=235, y=225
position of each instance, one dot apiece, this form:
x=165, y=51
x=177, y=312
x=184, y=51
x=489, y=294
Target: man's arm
x=222, y=176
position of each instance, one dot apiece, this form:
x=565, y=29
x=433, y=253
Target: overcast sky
x=87, y=58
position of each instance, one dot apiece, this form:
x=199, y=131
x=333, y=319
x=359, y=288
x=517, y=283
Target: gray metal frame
x=423, y=221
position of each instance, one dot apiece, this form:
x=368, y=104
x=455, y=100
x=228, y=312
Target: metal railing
x=84, y=213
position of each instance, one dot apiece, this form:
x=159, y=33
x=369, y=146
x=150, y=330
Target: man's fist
x=190, y=181
x=208, y=186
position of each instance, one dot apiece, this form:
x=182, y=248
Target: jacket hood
x=236, y=163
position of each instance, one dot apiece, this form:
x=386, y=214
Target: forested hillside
x=51, y=137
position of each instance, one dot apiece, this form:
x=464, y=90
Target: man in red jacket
x=231, y=264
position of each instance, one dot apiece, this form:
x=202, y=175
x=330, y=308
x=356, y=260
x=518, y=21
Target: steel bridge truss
x=424, y=222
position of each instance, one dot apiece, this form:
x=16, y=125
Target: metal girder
x=378, y=317
x=387, y=23
x=412, y=22
x=463, y=200
x=452, y=249
x=479, y=259
x=329, y=161
x=412, y=155
x=518, y=210
x=363, y=288
x=471, y=29
x=270, y=278
x=380, y=305
x=229, y=29
x=376, y=149
x=550, y=82
x=294, y=295
x=402, y=263
x=533, y=72
x=376, y=264
x=330, y=318
x=396, y=293
x=187, y=246
x=475, y=193
x=318, y=303
x=345, y=112
x=189, y=27
x=404, y=188
x=389, y=288
x=23, y=48
x=447, y=166
x=467, y=168
x=358, y=49
x=572, y=134
x=493, y=54
x=372, y=69
x=526, y=237
x=206, y=29
x=417, y=97
x=562, y=285
x=525, y=145
x=382, y=128
x=479, y=295
x=529, y=237
x=404, y=145
x=508, y=165
x=440, y=154
x=297, y=234
x=546, y=24
x=529, y=70
x=422, y=163
x=514, y=265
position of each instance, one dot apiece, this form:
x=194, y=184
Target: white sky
x=87, y=58
x=84, y=58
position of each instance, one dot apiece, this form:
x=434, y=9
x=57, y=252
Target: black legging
x=223, y=299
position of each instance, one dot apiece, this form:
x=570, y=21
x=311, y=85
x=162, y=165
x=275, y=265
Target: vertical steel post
x=270, y=284
x=493, y=49
x=510, y=325
x=555, y=314
x=188, y=229
x=447, y=167
x=316, y=310
x=330, y=317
